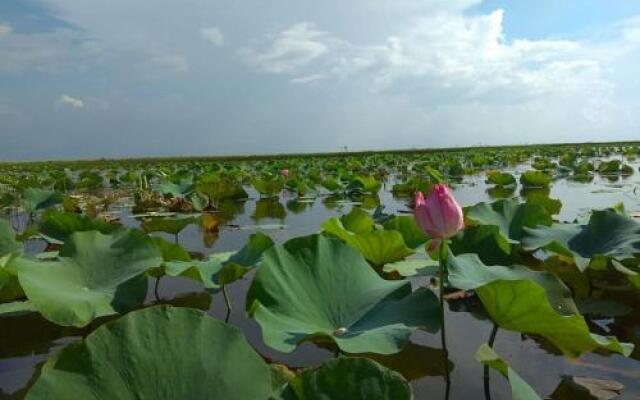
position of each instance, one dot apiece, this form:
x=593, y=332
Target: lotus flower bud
x=439, y=215
x=284, y=173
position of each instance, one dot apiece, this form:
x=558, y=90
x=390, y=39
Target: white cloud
x=72, y=102
x=5, y=29
x=291, y=49
x=171, y=62
x=308, y=79
x=213, y=35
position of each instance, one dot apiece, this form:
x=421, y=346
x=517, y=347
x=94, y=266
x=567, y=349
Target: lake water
x=26, y=341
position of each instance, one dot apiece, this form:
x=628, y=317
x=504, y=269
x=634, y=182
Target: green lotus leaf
x=177, y=189
x=411, y=233
x=317, y=287
x=236, y=264
x=358, y=221
x=10, y=288
x=171, y=251
x=157, y=353
x=60, y=225
x=540, y=196
x=364, y=184
x=8, y=242
x=468, y=272
x=378, y=246
x=216, y=189
x=221, y=268
x=35, y=199
x=520, y=390
x=269, y=187
x=419, y=265
x=500, y=178
x=535, y=179
x=204, y=271
x=524, y=306
x=168, y=225
x=348, y=378
x=96, y=275
x=607, y=234
x=486, y=241
x=510, y=216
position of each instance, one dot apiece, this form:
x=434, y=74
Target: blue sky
x=88, y=78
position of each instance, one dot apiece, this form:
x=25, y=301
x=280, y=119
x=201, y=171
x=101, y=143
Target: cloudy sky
x=121, y=78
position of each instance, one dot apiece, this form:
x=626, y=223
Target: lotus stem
x=487, y=387
x=227, y=302
x=156, y=288
x=443, y=334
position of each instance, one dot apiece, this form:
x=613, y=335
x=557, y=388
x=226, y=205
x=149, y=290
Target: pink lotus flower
x=284, y=173
x=439, y=215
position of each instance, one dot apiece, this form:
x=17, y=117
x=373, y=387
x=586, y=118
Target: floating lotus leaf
x=378, y=246
x=348, y=378
x=60, y=225
x=96, y=275
x=317, y=287
x=535, y=179
x=161, y=353
x=510, y=216
x=608, y=234
x=520, y=390
x=500, y=178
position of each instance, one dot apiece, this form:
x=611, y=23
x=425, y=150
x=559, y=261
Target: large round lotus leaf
x=510, y=216
x=607, y=234
x=348, y=378
x=95, y=275
x=319, y=287
x=157, y=353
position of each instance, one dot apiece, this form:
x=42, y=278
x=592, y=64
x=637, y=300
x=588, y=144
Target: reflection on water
x=26, y=341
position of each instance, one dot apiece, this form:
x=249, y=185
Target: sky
x=120, y=78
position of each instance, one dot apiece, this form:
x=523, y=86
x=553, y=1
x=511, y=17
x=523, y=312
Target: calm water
x=27, y=341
